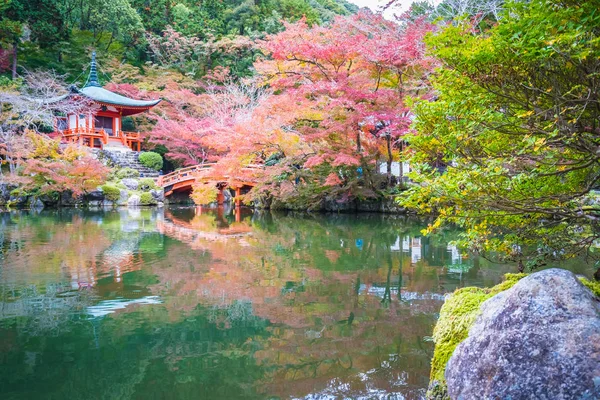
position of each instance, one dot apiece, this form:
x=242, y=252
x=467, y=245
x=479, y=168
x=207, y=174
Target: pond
x=186, y=303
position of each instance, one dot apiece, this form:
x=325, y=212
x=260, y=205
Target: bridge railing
x=182, y=174
x=188, y=173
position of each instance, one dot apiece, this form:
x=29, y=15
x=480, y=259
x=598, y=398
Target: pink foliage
x=345, y=159
x=355, y=73
x=335, y=92
x=333, y=179
x=58, y=175
x=314, y=161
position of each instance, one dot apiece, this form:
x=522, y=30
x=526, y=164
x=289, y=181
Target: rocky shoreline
x=131, y=191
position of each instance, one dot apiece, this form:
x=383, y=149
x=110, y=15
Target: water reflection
x=195, y=303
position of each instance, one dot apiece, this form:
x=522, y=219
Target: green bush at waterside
x=111, y=192
x=146, y=199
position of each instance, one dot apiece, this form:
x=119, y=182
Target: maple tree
x=328, y=105
x=48, y=169
x=35, y=161
x=350, y=82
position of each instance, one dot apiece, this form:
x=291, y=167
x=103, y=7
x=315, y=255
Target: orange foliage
x=48, y=168
x=204, y=193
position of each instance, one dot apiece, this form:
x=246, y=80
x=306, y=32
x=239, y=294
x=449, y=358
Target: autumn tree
x=50, y=170
x=28, y=105
x=516, y=122
x=351, y=79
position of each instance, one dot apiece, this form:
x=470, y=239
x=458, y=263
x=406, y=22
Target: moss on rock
x=146, y=199
x=456, y=318
x=111, y=192
x=592, y=285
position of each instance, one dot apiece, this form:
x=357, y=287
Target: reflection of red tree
x=322, y=328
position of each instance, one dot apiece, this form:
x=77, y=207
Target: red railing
x=82, y=135
x=199, y=171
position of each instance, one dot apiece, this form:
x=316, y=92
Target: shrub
x=127, y=173
x=146, y=199
x=204, y=193
x=111, y=192
x=151, y=160
x=147, y=184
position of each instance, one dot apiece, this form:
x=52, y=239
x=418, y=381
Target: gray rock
x=49, y=200
x=538, y=340
x=158, y=194
x=5, y=189
x=133, y=201
x=95, y=195
x=67, y=199
x=123, y=197
x=36, y=203
x=227, y=197
x=18, y=201
x=130, y=183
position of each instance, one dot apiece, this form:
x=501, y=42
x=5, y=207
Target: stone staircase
x=128, y=159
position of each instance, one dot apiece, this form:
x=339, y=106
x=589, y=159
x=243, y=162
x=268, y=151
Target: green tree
x=10, y=32
x=115, y=19
x=516, y=122
x=43, y=20
x=155, y=14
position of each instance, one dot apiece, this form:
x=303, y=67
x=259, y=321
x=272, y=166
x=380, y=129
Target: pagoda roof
x=94, y=91
x=106, y=97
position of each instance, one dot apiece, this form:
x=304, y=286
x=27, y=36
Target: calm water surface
x=189, y=304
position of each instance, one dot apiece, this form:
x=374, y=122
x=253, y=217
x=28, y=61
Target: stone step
x=129, y=159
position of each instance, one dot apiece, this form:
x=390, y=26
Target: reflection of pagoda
x=101, y=128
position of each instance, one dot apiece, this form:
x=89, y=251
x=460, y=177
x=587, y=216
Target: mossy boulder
x=538, y=339
x=456, y=318
x=127, y=173
x=146, y=199
x=111, y=192
x=147, y=184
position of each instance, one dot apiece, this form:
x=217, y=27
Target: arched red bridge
x=183, y=179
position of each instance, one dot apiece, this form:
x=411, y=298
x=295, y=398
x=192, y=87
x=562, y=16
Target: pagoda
x=102, y=127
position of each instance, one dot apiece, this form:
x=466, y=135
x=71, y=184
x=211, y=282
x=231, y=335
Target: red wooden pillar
x=238, y=201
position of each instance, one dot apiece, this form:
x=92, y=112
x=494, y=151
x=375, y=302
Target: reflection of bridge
x=183, y=179
x=196, y=235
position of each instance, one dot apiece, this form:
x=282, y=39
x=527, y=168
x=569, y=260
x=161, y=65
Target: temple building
x=102, y=128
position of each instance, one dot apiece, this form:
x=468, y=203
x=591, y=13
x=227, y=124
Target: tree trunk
x=14, y=60
x=358, y=147
x=401, y=177
x=390, y=159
